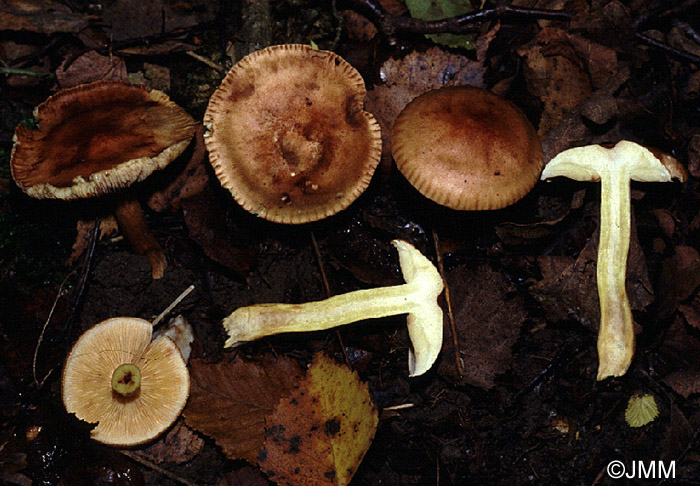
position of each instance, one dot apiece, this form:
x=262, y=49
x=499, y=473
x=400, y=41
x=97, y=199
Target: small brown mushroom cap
x=87, y=381
x=288, y=136
x=467, y=148
x=96, y=138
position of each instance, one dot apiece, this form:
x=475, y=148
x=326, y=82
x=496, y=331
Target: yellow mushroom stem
x=614, y=168
x=126, y=379
x=417, y=298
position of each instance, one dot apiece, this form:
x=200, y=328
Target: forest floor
x=522, y=404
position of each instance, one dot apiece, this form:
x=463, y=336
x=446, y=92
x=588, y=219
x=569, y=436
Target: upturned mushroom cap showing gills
x=96, y=138
x=132, y=387
x=467, y=148
x=288, y=136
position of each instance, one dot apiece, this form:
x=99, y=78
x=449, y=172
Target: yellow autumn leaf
x=319, y=434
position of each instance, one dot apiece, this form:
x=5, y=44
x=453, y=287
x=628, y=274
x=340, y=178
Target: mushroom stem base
x=132, y=223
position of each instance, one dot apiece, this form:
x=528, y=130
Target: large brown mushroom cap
x=467, y=148
x=288, y=135
x=87, y=381
x=97, y=138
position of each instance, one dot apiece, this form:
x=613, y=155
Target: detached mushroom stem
x=417, y=298
x=614, y=168
x=132, y=223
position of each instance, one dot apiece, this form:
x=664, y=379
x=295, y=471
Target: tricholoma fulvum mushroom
x=614, y=168
x=417, y=298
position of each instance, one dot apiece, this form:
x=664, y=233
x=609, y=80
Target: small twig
x=391, y=24
x=8, y=71
x=170, y=475
x=448, y=303
x=206, y=61
x=174, y=303
x=317, y=250
x=403, y=406
x=672, y=51
x=59, y=294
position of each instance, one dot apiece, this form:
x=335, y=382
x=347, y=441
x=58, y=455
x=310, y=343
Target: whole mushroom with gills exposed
x=97, y=139
x=614, y=168
x=417, y=298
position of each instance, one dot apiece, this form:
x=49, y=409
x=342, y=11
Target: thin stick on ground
x=317, y=250
x=59, y=294
x=170, y=475
x=174, y=303
x=448, y=303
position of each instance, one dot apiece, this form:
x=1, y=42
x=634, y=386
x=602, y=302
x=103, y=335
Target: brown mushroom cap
x=467, y=148
x=96, y=138
x=288, y=135
x=87, y=381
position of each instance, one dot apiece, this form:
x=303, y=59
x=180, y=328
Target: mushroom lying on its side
x=417, y=298
x=614, y=168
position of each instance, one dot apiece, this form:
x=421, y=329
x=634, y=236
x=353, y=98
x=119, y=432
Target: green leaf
x=442, y=9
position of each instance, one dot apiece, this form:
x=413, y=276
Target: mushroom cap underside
x=87, y=382
x=467, y=148
x=288, y=136
x=96, y=138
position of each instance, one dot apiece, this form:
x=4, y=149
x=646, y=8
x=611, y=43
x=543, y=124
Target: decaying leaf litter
x=523, y=406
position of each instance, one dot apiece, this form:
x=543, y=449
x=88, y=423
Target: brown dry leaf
x=569, y=287
x=560, y=82
x=320, y=433
x=108, y=228
x=134, y=19
x=694, y=155
x=512, y=233
x=188, y=183
x=406, y=78
x=680, y=351
x=488, y=315
x=679, y=278
x=203, y=216
x=678, y=435
x=357, y=26
x=691, y=311
x=245, y=476
x=178, y=446
x=229, y=401
x=42, y=16
x=90, y=67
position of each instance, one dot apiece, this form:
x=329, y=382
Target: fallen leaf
x=680, y=351
x=229, y=401
x=189, y=182
x=691, y=311
x=108, y=228
x=245, y=476
x=178, y=446
x=357, y=26
x=678, y=280
x=488, y=314
x=42, y=16
x=203, y=216
x=569, y=288
x=90, y=67
x=319, y=434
